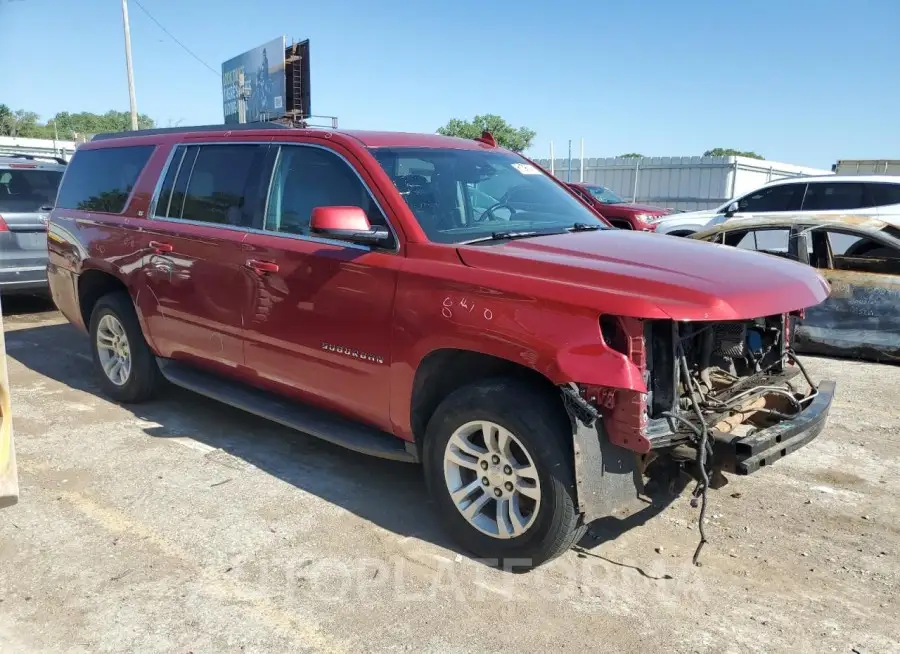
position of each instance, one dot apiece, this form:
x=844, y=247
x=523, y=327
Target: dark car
x=28, y=188
x=620, y=214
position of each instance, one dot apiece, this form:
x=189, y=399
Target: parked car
x=28, y=186
x=860, y=258
x=537, y=363
x=619, y=213
x=871, y=195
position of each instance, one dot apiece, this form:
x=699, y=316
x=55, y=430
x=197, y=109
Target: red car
x=356, y=287
x=620, y=214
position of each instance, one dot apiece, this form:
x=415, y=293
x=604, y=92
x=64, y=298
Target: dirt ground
x=187, y=526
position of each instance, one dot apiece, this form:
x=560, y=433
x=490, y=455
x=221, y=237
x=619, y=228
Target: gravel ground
x=186, y=526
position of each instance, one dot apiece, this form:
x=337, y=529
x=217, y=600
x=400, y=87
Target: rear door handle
x=262, y=267
x=161, y=248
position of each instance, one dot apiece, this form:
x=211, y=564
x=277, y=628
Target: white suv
x=872, y=195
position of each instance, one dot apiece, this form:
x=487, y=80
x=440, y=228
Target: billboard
x=263, y=96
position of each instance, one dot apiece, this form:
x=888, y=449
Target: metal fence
x=681, y=183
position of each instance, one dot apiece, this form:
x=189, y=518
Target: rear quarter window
x=102, y=180
x=885, y=193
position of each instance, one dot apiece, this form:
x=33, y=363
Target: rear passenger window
x=308, y=177
x=101, y=180
x=884, y=193
x=835, y=196
x=213, y=184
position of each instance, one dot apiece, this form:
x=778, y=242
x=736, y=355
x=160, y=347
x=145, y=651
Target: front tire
x=498, y=466
x=125, y=363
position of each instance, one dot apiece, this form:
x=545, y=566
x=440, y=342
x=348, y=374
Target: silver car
x=28, y=186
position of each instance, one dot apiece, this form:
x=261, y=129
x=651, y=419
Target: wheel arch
x=94, y=284
x=445, y=370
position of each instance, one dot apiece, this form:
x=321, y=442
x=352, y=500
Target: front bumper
x=745, y=455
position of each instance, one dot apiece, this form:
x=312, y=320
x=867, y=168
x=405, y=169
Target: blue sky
x=801, y=81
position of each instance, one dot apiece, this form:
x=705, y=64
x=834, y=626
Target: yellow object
x=9, y=480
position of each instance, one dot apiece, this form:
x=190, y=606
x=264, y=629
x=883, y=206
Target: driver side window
x=308, y=177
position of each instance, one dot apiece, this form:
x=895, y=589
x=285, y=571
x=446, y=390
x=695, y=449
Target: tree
x=513, y=138
x=6, y=120
x=27, y=124
x=730, y=152
x=631, y=155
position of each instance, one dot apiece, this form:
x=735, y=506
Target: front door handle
x=262, y=267
x=161, y=248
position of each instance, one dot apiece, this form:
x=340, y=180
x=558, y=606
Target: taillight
x=3, y=226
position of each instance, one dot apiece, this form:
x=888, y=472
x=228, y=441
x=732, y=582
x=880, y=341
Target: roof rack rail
x=32, y=157
x=189, y=128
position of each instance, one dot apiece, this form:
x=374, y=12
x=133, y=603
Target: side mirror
x=346, y=224
x=732, y=209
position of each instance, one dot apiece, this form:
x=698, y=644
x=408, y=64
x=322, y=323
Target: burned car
x=860, y=258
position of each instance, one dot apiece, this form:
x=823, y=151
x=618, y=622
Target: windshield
x=465, y=195
x=604, y=195
x=27, y=190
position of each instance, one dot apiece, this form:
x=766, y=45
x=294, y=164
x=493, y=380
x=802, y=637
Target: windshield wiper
x=582, y=227
x=507, y=236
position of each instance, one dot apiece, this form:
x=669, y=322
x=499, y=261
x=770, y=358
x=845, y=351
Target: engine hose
x=701, y=457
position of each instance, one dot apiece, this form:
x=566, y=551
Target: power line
x=169, y=34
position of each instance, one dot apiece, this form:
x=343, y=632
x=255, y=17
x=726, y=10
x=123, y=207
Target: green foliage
x=516, y=139
x=27, y=124
x=631, y=155
x=731, y=152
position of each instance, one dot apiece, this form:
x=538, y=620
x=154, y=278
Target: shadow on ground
x=19, y=305
x=387, y=493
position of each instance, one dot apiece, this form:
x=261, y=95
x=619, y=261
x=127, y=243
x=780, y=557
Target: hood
x=705, y=214
x=637, y=208
x=646, y=275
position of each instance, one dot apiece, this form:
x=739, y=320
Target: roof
x=38, y=160
x=370, y=139
x=413, y=140
x=836, y=178
x=854, y=222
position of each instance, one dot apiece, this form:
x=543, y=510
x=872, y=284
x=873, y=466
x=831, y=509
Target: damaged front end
x=735, y=389
x=721, y=397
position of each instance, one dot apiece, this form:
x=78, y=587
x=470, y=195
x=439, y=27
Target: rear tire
x=126, y=365
x=520, y=520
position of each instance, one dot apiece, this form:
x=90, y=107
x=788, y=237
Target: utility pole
x=244, y=93
x=131, y=99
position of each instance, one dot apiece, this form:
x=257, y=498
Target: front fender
x=561, y=342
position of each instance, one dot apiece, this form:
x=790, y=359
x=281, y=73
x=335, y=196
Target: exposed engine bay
x=721, y=397
x=710, y=386
x=731, y=377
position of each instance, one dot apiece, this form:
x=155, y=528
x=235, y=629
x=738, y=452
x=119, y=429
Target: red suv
x=620, y=214
x=436, y=300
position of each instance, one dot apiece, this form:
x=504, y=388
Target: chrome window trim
x=162, y=178
x=313, y=239
x=200, y=223
x=265, y=232
x=187, y=184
